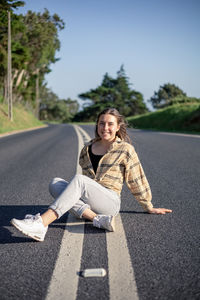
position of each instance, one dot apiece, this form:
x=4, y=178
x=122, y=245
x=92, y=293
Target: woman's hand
x=159, y=211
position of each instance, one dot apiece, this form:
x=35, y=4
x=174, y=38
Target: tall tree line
x=35, y=43
x=34, y=46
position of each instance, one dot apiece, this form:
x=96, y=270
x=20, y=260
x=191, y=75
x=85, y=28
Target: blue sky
x=157, y=41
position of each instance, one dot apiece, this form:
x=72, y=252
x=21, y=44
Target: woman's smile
x=107, y=127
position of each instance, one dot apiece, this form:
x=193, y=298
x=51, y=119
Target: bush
x=184, y=100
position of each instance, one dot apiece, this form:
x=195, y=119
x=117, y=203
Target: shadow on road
x=7, y=212
x=132, y=212
x=8, y=233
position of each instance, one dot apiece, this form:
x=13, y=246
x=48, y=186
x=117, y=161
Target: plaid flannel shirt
x=119, y=164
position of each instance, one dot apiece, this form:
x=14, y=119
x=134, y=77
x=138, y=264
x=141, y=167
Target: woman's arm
x=159, y=211
x=139, y=186
x=136, y=180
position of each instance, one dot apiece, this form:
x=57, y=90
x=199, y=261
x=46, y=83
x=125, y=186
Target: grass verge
x=22, y=119
x=176, y=118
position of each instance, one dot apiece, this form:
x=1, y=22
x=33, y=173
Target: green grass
x=22, y=119
x=177, y=118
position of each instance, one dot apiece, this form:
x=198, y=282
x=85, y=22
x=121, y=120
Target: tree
x=9, y=5
x=34, y=45
x=20, y=53
x=131, y=102
x=165, y=94
x=113, y=92
x=42, y=33
x=54, y=109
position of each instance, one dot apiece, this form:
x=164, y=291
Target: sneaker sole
x=35, y=237
x=113, y=224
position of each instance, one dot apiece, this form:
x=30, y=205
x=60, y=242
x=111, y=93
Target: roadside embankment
x=22, y=120
x=177, y=118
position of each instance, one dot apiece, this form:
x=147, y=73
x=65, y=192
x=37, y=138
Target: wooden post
x=9, y=72
x=37, y=95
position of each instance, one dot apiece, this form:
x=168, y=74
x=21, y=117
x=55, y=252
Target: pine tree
x=113, y=92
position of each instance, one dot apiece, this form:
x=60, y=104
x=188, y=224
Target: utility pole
x=9, y=72
x=37, y=95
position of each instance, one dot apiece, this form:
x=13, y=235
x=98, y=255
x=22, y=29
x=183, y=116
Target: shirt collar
x=116, y=141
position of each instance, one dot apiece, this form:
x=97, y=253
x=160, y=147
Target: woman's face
x=107, y=127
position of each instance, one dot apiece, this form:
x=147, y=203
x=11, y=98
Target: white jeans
x=80, y=193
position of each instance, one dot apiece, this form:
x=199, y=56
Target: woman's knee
x=81, y=178
x=56, y=185
x=78, y=177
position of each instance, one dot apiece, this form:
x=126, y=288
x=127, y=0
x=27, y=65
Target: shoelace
x=30, y=218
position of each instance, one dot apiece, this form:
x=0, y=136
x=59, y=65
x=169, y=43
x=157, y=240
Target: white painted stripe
x=168, y=133
x=86, y=136
x=80, y=146
x=64, y=281
x=121, y=274
x=180, y=134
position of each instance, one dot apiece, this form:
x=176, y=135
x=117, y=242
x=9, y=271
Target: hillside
x=22, y=119
x=178, y=118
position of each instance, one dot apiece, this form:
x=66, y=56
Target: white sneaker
x=104, y=222
x=31, y=226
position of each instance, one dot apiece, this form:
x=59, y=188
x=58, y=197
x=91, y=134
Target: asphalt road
x=164, y=250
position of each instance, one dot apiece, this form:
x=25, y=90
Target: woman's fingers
x=168, y=210
x=160, y=211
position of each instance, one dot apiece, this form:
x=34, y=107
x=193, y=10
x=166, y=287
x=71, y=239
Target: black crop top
x=94, y=159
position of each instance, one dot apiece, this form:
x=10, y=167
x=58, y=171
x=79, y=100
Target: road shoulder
x=22, y=130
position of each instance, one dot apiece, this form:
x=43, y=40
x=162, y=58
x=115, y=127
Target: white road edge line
x=180, y=134
x=85, y=134
x=64, y=281
x=121, y=274
x=168, y=133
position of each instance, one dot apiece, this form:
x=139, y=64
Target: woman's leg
x=97, y=200
x=97, y=203
x=93, y=196
x=50, y=215
x=56, y=187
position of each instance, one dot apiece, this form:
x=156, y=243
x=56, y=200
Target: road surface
x=153, y=256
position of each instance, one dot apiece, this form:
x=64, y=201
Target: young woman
x=107, y=161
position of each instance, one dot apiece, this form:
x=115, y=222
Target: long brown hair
x=122, y=132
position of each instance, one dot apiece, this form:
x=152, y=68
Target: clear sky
x=158, y=41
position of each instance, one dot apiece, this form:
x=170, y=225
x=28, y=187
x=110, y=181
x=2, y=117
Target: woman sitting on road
x=107, y=161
